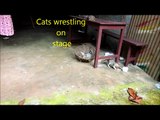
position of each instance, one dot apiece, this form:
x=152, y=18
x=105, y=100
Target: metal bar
x=155, y=58
x=141, y=38
x=155, y=68
x=130, y=28
x=153, y=47
x=138, y=35
x=148, y=41
x=151, y=54
x=133, y=34
x=145, y=40
x=158, y=74
x=141, y=32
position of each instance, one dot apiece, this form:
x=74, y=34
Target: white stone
x=125, y=69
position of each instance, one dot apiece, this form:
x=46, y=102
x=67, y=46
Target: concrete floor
x=33, y=69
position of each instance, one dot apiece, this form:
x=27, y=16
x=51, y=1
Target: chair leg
x=136, y=55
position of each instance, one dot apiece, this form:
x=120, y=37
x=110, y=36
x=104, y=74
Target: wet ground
x=33, y=69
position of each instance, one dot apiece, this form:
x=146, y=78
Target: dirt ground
x=33, y=69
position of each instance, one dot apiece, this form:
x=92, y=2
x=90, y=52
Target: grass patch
x=114, y=95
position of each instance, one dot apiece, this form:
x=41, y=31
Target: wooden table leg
x=119, y=45
x=138, y=50
x=99, y=36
